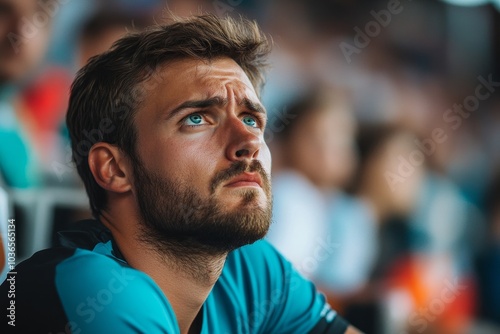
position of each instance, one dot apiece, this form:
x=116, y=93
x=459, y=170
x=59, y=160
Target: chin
x=247, y=197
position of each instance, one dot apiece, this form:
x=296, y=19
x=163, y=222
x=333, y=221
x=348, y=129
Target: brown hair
x=106, y=91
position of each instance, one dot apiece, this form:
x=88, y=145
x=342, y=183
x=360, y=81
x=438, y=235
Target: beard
x=176, y=221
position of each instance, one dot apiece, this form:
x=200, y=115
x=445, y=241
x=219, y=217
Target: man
x=167, y=135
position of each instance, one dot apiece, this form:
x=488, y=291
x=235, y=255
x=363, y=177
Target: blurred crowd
x=384, y=124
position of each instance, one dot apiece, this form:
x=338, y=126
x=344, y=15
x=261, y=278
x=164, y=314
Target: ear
x=110, y=168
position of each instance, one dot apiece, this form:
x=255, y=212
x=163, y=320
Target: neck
x=185, y=280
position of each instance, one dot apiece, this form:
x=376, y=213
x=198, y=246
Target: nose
x=243, y=142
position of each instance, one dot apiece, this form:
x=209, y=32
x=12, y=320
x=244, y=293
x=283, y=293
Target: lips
x=245, y=179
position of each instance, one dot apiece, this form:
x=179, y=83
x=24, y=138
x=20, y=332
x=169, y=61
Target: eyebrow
x=216, y=101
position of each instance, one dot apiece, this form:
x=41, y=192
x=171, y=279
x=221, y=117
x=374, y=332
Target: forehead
x=193, y=78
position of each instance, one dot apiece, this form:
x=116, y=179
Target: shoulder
x=82, y=291
x=99, y=292
x=272, y=292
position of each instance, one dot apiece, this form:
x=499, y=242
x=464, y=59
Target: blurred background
x=384, y=124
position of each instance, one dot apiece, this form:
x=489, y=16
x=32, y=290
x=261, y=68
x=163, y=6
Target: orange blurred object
x=439, y=298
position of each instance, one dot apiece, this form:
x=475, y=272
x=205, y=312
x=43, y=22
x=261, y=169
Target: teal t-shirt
x=94, y=290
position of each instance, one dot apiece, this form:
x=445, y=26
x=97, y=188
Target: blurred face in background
x=24, y=35
x=401, y=199
x=321, y=147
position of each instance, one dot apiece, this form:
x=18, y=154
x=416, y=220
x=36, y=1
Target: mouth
x=245, y=180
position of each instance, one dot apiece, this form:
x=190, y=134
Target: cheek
x=194, y=163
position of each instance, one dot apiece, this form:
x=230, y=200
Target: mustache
x=236, y=169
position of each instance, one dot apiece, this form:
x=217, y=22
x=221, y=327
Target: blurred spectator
x=401, y=193
x=328, y=235
x=23, y=43
x=22, y=47
x=381, y=149
x=390, y=204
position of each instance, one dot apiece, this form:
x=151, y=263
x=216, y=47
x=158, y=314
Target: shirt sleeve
x=286, y=302
x=99, y=295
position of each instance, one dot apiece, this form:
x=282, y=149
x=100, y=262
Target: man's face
x=24, y=36
x=202, y=178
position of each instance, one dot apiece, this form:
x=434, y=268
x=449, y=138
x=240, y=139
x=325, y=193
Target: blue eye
x=194, y=119
x=250, y=121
